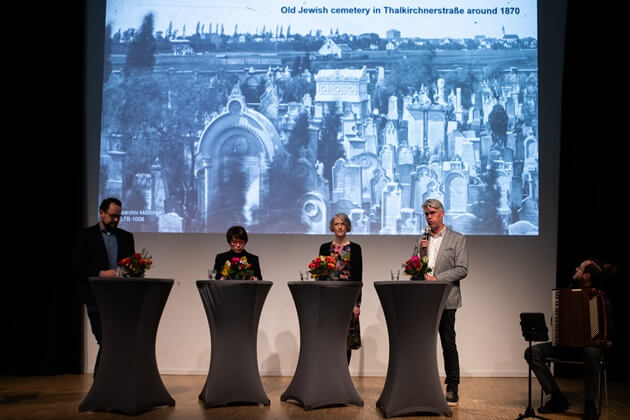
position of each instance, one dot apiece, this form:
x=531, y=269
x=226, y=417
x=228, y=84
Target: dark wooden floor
x=58, y=397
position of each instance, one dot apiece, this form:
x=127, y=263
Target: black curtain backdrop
x=40, y=325
x=591, y=209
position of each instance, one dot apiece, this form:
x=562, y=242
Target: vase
x=139, y=274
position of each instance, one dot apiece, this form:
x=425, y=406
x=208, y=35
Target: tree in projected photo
x=209, y=130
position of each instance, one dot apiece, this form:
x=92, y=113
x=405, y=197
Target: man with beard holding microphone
x=448, y=260
x=96, y=253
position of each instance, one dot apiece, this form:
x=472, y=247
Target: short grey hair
x=433, y=203
x=344, y=219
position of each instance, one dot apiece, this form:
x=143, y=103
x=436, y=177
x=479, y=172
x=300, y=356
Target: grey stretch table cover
x=233, y=309
x=324, y=311
x=128, y=380
x=412, y=311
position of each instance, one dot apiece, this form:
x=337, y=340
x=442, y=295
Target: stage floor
x=58, y=397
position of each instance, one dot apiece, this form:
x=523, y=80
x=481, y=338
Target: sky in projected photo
x=278, y=117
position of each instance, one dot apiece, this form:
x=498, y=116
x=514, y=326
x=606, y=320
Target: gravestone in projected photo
x=276, y=118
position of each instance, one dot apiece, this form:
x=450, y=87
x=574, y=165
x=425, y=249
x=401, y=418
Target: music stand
x=534, y=328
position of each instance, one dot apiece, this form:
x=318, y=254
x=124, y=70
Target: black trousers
x=592, y=357
x=449, y=348
x=95, y=322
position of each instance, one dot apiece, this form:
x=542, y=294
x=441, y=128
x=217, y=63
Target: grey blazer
x=451, y=264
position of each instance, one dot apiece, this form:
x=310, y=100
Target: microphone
x=427, y=233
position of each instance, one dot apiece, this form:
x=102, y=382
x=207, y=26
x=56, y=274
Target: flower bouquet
x=417, y=267
x=237, y=269
x=321, y=266
x=136, y=265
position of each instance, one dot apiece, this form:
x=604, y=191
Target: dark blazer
x=221, y=258
x=89, y=256
x=356, y=261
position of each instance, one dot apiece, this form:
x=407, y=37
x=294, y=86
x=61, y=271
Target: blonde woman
x=349, y=267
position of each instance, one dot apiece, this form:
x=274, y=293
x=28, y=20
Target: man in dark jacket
x=96, y=253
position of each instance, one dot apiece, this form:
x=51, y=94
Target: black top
x=89, y=256
x=356, y=262
x=220, y=260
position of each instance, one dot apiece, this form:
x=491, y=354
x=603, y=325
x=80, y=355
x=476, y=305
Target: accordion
x=579, y=318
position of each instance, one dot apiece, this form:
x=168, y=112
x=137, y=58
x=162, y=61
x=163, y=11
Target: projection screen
x=277, y=115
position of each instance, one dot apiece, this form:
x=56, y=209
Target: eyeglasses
x=237, y=242
x=114, y=216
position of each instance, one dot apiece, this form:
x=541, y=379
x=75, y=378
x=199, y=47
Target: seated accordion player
x=579, y=318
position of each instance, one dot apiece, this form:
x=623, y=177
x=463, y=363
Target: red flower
x=136, y=264
x=416, y=267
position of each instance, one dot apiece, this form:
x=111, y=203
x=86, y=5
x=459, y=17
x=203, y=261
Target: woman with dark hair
x=349, y=267
x=237, y=239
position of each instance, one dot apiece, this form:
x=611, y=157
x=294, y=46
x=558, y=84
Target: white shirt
x=434, y=246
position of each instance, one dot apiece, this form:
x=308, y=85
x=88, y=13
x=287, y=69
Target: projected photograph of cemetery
x=278, y=131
